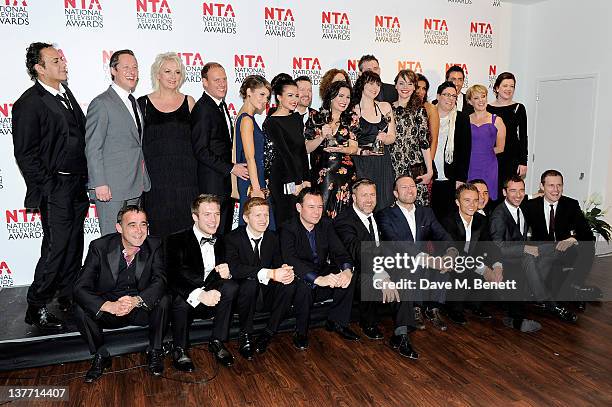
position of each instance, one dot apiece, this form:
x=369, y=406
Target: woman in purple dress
x=488, y=139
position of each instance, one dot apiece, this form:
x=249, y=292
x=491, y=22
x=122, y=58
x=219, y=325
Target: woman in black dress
x=166, y=145
x=513, y=161
x=285, y=159
x=376, y=133
x=330, y=140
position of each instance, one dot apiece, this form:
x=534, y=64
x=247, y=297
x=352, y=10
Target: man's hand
x=103, y=193
x=223, y=270
x=330, y=280
x=118, y=308
x=241, y=171
x=532, y=250
x=389, y=294
x=209, y=298
x=521, y=170
x=284, y=274
x=563, y=245
x=344, y=278
x=498, y=274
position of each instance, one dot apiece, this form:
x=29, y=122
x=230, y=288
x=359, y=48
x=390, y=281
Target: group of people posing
x=377, y=162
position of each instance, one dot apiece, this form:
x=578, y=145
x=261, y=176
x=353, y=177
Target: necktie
x=551, y=222
x=256, y=250
x=209, y=240
x=223, y=107
x=135, y=109
x=518, y=218
x=313, y=246
x=65, y=101
x=371, y=228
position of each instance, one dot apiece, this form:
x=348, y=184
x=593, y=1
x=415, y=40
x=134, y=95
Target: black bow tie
x=209, y=240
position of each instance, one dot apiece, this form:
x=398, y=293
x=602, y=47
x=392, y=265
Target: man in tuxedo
x=526, y=263
x=387, y=93
x=212, y=135
x=310, y=244
x=254, y=257
x=201, y=282
x=484, y=204
x=117, y=171
x=355, y=225
x=123, y=282
x=304, y=84
x=406, y=222
x=558, y=218
x=49, y=144
x=469, y=226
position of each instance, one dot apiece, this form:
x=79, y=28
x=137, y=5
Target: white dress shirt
x=513, y=211
x=547, y=212
x=262, y=275
x=366, y=223
x=468, y=238
x=123, y=95
x=460, y=101
x=410, y=217
x=55, y=92
x=208, y=260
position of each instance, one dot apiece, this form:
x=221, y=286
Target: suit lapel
x=402, y=223
x=245, y=241
x=141, y=259
x=49, y=100
x=76, y=108
x=461, y=227
x=418, y=217
x=125, y=113
x=113, y=257
x=362, y=228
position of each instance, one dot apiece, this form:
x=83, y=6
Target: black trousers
x=443, y=198
x=370, y=311
x=183, y=314
x=62, y=213
x=305, y=296
x=579, y=262
x=91, y=327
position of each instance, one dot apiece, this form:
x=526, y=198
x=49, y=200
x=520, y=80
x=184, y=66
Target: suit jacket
x=568, y=217
x=505, y=232
x=393, y=226
x=212, y=146
x=114, y=148
x=387, y=93
x=352, y=232
x=98, y=275
x=40, y=130
x=296, y=251
x=241, y=258
x=184, y=264
x=480, y=242
x=457, y=170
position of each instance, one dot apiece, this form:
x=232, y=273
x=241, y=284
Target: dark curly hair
x=278, y=86
x=366, y=77
x=33, y=57
x=328, y=78
x=414, y=102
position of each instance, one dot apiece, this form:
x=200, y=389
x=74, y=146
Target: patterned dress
x=333, y=173
x=412, y=136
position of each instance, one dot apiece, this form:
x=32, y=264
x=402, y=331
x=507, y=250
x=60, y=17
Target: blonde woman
x=166, y=145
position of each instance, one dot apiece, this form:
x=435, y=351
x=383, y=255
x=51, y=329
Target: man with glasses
x=117, y=171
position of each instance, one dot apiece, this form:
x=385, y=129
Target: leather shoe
x=44, y=320
x=581, y=306
x=564, y=314
x=98, y=364
x=221, y=353
x=300, y=341
x=261, y=344
x=457, y=317
x=155, y=360
x=246, y=346
x=418, y=319
x=344, y=331
x=372, y=332
x=181, y=360
x=403, y=345
x=481, y=313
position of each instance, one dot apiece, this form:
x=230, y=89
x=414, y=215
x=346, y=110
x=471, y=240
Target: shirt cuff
x=289, y=188
x=345, y=266
x=193, y=299
x=480, y=270
x=262, y=276
x=310, y=277
x=497, y=264
x=383, y=275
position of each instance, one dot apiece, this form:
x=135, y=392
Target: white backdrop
x=245, y=36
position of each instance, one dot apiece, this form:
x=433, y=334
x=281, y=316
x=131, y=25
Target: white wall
x=568, y=37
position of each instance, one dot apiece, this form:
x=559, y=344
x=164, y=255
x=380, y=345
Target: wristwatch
x=140, y=303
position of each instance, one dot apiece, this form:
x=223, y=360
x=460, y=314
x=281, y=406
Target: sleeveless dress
x=378, y=168
x=258, y=143
x=483, y=162
x=172, y=167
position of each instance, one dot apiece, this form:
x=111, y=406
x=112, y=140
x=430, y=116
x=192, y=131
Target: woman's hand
x=425, y=179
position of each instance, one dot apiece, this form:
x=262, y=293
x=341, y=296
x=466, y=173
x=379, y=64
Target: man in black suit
x=212, y=134
x=304, y=84
x=310, y=244
x=387, y=93
x=123, y=283
x=484, y=203
x=407, y=222
x=254, y=257
x=49, y=143
x=355, y=225
x=558, y=218
x=469, y=226
x=200, y=280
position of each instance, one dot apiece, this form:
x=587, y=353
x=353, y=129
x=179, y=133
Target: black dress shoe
x=564, y=314
x=457, y=317
x=581, y=306
x=246, y=346
x=261, y=344
x=344, y=331
x=98, y=364
x=181, y=360
x=481, y=313
x=403, y=345
x=221, y=353
x=64, y=304
x=372, y=332
x=300, y=341
x=44, y=320
x=155, y=360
